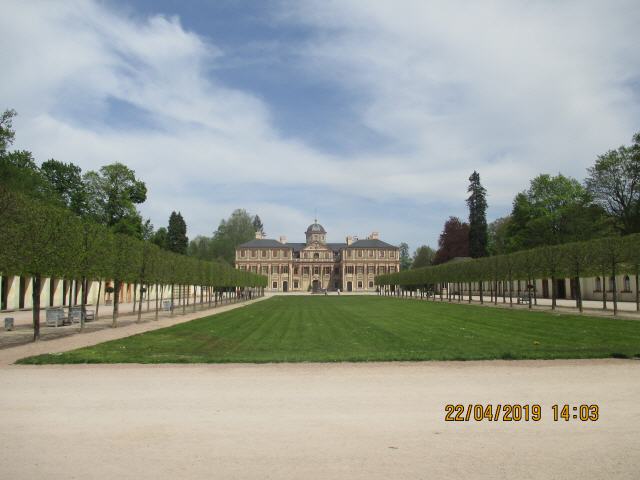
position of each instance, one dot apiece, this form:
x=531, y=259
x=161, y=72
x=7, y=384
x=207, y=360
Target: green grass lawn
x=353, y=328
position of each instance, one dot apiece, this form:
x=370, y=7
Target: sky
x=370, y=115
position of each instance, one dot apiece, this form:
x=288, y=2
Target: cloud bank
x=511, y=89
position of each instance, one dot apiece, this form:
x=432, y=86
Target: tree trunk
x=116, y=301
x=553, y=293
x=98, y=300
x=35, y=296
x=614, y=287
x=149, y=297
x=604, y=291
x=140, y=303
x=156, y=292
x=185, y=300
x=535, y=294
x=578, y=294
x=172, y=293
x=480, y=288
x=134, y=296
x=637, y=293
x=511, y=293
x=83, y=302
x=495, y=292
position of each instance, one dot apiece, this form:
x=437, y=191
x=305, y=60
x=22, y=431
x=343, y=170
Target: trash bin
x=8, y=323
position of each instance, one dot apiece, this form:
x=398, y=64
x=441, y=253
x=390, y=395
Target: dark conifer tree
x=257, y=225
x=477, y=203
x=177, y=240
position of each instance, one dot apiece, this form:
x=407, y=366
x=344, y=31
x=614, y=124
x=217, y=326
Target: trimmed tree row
x=517, y=272
x=39, y=241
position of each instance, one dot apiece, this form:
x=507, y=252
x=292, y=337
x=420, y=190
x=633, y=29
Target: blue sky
x=373, y=114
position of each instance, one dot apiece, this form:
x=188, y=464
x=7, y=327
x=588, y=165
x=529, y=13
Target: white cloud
x=508, y=88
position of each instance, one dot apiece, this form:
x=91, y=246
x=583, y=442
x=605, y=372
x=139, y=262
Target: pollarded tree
x=477, y=203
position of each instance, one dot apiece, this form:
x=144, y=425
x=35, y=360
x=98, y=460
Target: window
x=327, y=270
x=254, y=268
x=370, y=284
x=316, y=270
x=275, y=253
x=285, y=269
x=264, y=253
x=284, y=254
x=392, y=254
x=275, y=269
x=371, y=269
x=627, y=284
x=305, y=270
x=254, y=253
x=275, y=285
x=360, y=269
x=295, y=284
x=359, y=253
x=360, y=284
x=242, y=267
x=598, y=285
x=243, y=253
x=316, y=255
x=265, y=269
x=350, y=269
x=295, y=270
x=381, y=253
x=381, y=270
x=370, y=253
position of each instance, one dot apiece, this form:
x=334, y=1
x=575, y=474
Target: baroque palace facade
x=317, y=265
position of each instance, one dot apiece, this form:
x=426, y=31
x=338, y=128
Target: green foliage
x=257, y=225
x=614, y=182
x=603, y=256
x=423, y=257
x=177, y=240
x=113, y=194
x=552, y=211
x=7, y=134
x=41, y=239
x=66, y=181
x=405, y=259
x=477, y=203
x=237, y=229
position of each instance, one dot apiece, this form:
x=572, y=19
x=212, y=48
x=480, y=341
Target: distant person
x=338, y=291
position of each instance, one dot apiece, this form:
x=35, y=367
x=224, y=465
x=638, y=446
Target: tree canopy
x=177, y=240
x=453, y=242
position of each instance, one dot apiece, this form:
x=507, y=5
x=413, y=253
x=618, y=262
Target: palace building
x=317, y=265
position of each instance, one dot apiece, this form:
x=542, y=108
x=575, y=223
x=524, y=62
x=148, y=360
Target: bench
x=75, y=315
x=55, y=317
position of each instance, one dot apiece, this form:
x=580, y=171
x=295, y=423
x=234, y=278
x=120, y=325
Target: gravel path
x=355, y=421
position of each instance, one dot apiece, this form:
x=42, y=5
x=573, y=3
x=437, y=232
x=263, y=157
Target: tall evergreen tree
x=405, y=259
x=257, y=225
x=177, y=240
x=477, y=203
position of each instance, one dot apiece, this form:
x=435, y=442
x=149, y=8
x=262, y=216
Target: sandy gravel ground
x=317, y=421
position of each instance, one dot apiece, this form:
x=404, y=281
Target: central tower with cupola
x=316, y=233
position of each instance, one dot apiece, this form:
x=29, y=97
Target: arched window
x=316, y=255
x=627, y=283
x=598, y=284
x=612, y=281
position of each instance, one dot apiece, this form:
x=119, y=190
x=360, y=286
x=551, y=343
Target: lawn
x=365, y=328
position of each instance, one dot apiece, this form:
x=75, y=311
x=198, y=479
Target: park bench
x=55, y=317
x=167, y=306
x=75, y=315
